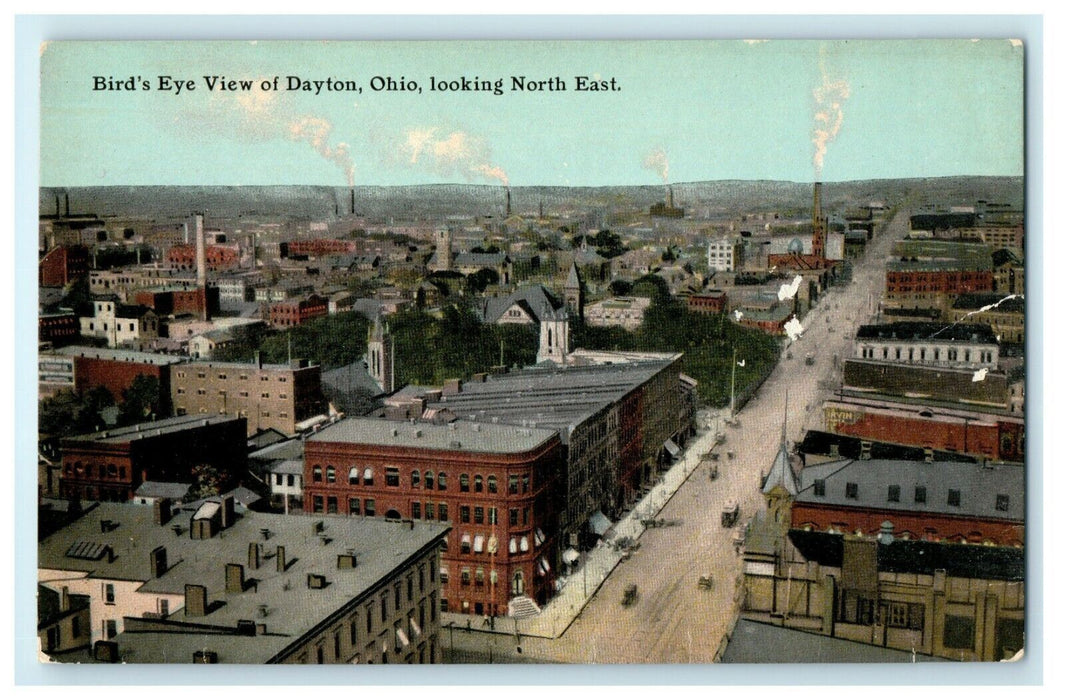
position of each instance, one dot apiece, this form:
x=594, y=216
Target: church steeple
x=781, y=485
x=380, y=356
x=573, y=291
x=554, y=336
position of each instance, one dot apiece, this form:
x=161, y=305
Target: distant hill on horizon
x=419, y=202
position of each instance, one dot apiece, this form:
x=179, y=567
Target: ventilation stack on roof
x=228, y=512
x=157, y=562
x=280, y=556
x=195, y=600
x=234, y=578
x=253, y=555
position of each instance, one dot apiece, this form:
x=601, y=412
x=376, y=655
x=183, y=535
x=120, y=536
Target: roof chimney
x=346, y=561
x=253, y=555
x=195, y=600
x=157, y=561
x=234, y=578
x=64, y=598
x=281, y=564
x=228, y=514
x=161, y=511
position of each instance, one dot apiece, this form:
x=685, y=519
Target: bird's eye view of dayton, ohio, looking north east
x=446, y=367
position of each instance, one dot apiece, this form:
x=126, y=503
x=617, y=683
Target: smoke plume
x=454, y=153
x=658, y=162
x=828, y=117
x=259, y=116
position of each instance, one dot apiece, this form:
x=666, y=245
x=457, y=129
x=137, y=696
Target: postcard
x=592, y=352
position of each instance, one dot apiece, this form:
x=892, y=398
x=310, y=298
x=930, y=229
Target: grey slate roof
x=914, y=330
x=140, y=431
x=533, y=299
x=979, y=486
x=162, y=489
x=293, y=608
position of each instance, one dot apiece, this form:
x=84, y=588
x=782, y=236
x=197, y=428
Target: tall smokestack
x=201, y=253
x=508, y=202
x=67, y=195
x=353, y=201
x=58, y=211
x=819, y=229
x=541, y=208
x=670, y=197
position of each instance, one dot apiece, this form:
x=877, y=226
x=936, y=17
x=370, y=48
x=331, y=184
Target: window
x=491, y=484
x=953, y=497
x=465, y=545
x=331, y=505
x=512, y=484
x=371, y=508
x=430, y=513
x=854, y=608
x=266, y=394
x=819, y=487
x=317, y=504
x=905, y=615
x=464, y=482
x=441, y=481
x=893, y=493
x=316, y=473
x=464, y=514
x=353, y=476
x=443, y=512
x=416, y=510
x=443, y=574
x=1002, y=502
x=852, y=490
x=478, y=483
x=958, y=632
x=110, y=629
x=525, y=483
x=513, y=516
x=367, y=477
x=354, y=506
x=492, y=516
x=415, y=478
x=331, y=474
x=478, y=515
x=429, y=480
x=109, y=593
x=920, y=494
x=391, y=476
x=291, y=480
x=384, y=609
x=465, y=576
x=336, y=646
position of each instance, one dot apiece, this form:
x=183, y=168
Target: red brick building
x=58, y=328
x=497, y=484
x=938, y=501
x=992, y=436
x=317, y=247
x=197, y=301
x=62, y=265
x=219, y=257
x=714, y=301
x=294, y=312
x=111, y=464
x=904, y=281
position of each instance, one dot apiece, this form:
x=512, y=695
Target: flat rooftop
x=292, y=608
x=115, y=355
x=166, y=426
x=930, y=330
x=458, y=436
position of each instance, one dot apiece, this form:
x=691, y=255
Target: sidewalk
x=579, y=588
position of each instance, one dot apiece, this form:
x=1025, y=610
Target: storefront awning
x=599, y=523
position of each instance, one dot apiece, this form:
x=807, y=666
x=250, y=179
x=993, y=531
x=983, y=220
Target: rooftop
x=459, y=436
x=166, y=426
x=916, y=330
x=762, y=643
x=1001, y=303
x=291, y=607
x=978, y=487
x=148, y=358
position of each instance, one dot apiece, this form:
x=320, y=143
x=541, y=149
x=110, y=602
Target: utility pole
x=732, y=401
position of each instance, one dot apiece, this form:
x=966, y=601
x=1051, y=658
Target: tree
x=479, y=281
x=621, y=288
x=140, y=401
x=68, y=413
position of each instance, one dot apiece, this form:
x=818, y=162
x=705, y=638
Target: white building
x=120, y=325
x=626, y=312
x=724, y=254
x=956, y=346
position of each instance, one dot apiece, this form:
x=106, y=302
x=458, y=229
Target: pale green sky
x=711, y=110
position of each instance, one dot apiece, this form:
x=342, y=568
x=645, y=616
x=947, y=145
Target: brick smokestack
x=508, y=202
x=353, y=201
x=201, y=253
x=819, y=227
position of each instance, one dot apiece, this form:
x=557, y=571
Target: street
x=674, y=619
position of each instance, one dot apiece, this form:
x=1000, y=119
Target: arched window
x=517, y=586
x=478, y=483
x=464, y=482
x=415, y=478
x=353, y=476
x=429, y=479
x=316, y=473
x=367, y=476
x=441, y=481
x=492, y=487
x=331, y=474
